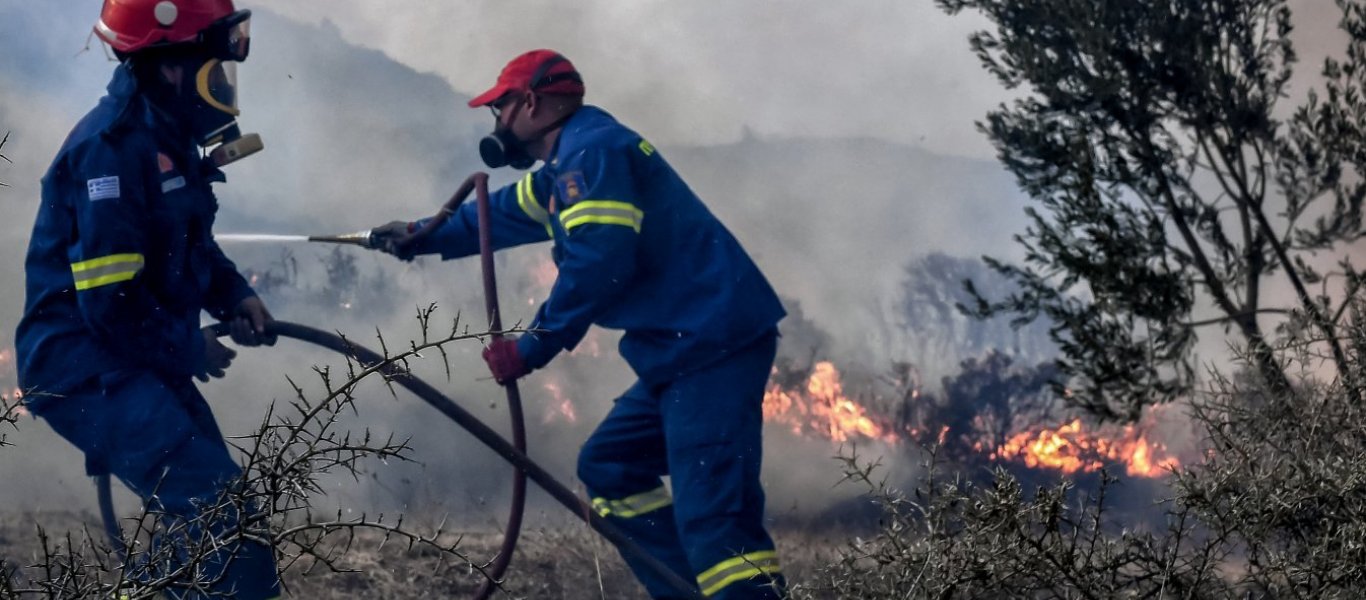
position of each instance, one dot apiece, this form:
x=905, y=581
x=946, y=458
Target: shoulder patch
x=571, y=186
x=646, y=147
x=103, y=188
x=164, y=163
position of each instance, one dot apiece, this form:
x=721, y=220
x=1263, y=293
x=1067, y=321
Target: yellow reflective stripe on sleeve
x=105, y=270
x=526, y=198
x=605, y=212
x=745, y=566
x=633, y=506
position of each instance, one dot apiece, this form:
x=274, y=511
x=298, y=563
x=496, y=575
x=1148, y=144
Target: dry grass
x=565, y=563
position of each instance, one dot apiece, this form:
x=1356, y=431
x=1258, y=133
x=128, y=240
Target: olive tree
x=1171, y=192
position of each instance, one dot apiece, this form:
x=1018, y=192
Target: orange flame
x=822, y=408
x=563, y=408
x=18, y=407
x=543, y=276
x=1070, y=449
x=590, y=345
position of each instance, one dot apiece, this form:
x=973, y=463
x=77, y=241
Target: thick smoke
x=836, y=141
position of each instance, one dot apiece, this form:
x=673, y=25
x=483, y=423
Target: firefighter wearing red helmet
x=121, y=263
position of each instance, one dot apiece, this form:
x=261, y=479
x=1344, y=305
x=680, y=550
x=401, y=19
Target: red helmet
x=132, y=25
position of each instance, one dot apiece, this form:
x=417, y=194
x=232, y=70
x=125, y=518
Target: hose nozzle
x=364, y=239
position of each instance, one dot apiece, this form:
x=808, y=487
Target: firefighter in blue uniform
x=121, y=262
x=637, y=251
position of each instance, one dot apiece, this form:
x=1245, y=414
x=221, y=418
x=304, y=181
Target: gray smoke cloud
x=702, y=72
x=835, y=140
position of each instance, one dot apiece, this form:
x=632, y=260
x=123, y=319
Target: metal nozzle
x=360, y=238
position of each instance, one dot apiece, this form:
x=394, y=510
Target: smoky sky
x=835, y=139
x=701, y=72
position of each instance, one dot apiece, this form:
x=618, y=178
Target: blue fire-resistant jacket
x=636, y=250
x=122, y=258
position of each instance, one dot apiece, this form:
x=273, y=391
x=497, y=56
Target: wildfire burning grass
x=821, y=408
x=10, y=394
x=1070, y=449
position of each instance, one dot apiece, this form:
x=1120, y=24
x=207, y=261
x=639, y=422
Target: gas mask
x=212, y=114
x=205, y=101
x=502, y=149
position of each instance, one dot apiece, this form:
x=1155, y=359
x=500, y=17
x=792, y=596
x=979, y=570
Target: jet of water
x=257, y=237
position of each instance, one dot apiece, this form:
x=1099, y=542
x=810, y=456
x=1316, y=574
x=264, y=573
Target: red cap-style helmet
x=541, y=70
x=132, y=25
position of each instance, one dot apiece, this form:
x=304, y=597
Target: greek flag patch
x=103, y=188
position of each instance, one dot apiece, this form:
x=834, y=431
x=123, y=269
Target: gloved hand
x=217, y=357
x=248, y=326
x=504, y=361
x=388, y=238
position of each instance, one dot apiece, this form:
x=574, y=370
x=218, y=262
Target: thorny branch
x=2, y=145
x=286, y=459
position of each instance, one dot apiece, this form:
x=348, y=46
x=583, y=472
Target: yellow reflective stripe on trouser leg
x=633, y=506
x=731, y=570
x=526, y=198
x=606, y=212
x=106, y=270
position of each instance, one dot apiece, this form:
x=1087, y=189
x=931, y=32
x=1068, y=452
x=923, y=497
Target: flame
x=589, y=345
x=563, y=407
x=17, y=408
x=543, y=276
x=822, y=409
x=1070, y=449
x=14, y=396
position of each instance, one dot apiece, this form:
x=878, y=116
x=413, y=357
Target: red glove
x=504, y=361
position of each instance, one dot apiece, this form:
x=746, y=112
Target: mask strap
x=541, y=79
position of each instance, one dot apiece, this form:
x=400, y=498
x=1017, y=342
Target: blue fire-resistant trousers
x=704, y=430
x=162, y=441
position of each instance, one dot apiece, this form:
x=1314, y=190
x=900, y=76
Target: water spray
x=231, y=238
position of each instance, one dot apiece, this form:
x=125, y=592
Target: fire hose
x=514, y=453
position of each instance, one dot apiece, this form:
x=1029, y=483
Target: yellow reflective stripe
x=745, y=566
x=633, y=506
x=606, y=212
x=105, y=270
x=103, y=261
x=526, y=198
